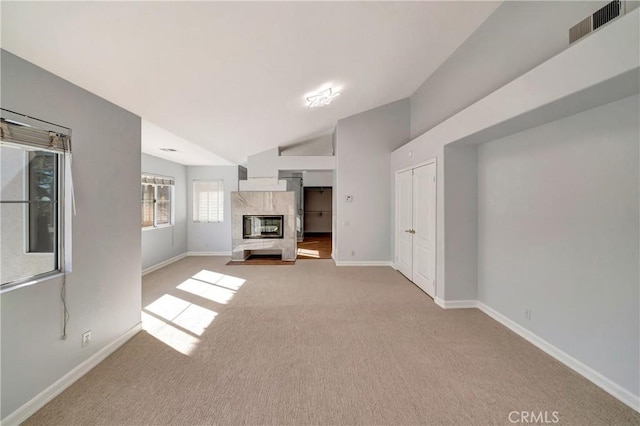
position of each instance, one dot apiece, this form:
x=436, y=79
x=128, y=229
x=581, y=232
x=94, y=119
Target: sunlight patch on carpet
x=168, y=334
x=228, y=281
x=178, y=322
x=211, y=292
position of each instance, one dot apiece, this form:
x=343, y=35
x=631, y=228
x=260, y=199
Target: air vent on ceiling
x=595, y=21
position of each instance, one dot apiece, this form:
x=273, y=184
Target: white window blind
x=23, y=134
x=208, y=201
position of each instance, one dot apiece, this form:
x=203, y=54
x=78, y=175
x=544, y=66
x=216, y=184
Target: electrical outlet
x=86, y=338
x=527, y=313
x=353, y=252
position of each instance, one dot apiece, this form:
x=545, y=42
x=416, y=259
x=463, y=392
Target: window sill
x=31, y=281
x=150, y=228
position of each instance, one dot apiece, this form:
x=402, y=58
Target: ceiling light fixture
x=321, y=98
x=168, y=149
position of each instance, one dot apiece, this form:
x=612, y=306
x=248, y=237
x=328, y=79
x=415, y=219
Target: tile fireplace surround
x=263, y=203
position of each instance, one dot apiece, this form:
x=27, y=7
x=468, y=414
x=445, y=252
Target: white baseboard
x=37, y=402
x=362, y=263
x=590, y=374
x=163, y=264
x=455, y=304
x=209, y=253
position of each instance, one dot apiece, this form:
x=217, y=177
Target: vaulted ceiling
x=230, y=78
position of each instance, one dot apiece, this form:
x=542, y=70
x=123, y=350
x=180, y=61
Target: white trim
x=47, y=276
x=590, y=374
x=363, y=263
x=455, y=304
x=163, y=264
x=37, y=402
x=415, y=166
x=209, y=253
x=152, y=227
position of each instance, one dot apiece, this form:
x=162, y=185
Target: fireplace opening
x=270, y=226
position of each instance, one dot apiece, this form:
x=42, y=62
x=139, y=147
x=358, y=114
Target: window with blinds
x=157, y=201
x=33, y=157
x=208, y=201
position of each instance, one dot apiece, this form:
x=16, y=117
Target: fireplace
x=263, y=221
x=262, y=226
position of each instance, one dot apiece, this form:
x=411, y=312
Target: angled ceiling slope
x=231, y=77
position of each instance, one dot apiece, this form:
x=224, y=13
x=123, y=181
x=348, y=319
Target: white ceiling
x=228, y=79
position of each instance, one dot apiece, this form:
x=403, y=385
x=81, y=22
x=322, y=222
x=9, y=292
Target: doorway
x=416, y=225
x=318, y=213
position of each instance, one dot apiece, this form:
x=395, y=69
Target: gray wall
x=160, y=244
x=517, y=37
x=211, y=237
x=104, y=289
x=318, y=178
x=558, y=226
x=461, y=219
x=321, y=145
x=363, y=153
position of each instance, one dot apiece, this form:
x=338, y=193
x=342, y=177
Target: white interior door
x=424, y=226
x=404, y=223
x=416, y=226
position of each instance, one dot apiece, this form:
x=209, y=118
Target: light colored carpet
x=317, y=344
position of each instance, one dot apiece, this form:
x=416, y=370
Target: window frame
x=220, y=218
x=59, y=233
x=171, y=210
x=31, y=134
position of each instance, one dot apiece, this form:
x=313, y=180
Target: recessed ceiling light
x=168, y=149
x=322, y=98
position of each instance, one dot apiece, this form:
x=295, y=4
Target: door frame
x=434, y=161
